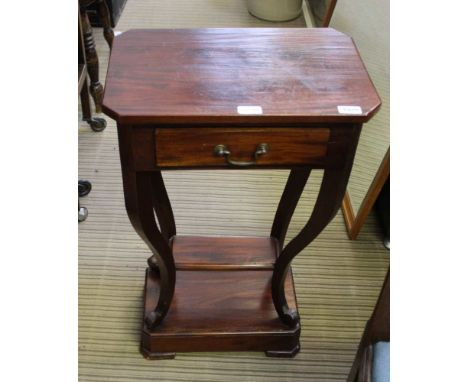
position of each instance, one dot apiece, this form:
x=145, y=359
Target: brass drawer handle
x=222, y=151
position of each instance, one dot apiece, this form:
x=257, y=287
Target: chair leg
x=85, y=103
x=104, y=15
x=96, y=124
x=96, y=88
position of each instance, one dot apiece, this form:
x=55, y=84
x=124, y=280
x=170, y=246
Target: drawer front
x=240, y=147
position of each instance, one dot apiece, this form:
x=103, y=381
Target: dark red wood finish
x=225, y=308
x=188, y=147
x=224, y=253
x=140, y=191
x=202, y=75
x=328, y=202
x=92, y=59
x=174, y=94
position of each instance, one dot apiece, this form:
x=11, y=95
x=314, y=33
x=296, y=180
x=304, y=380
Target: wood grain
x=328, y=202
x=92, y=62
x=164, y=78
x=224, y=253
x=348, y=212
x=337, y=281
x=81, y=76
x=202, y=75
x=138, y=191
x=295, y=184
x=208, y=314
x=220, y=311
x=178, y=147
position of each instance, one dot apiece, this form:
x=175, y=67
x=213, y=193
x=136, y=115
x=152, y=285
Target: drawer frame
x=170, y=147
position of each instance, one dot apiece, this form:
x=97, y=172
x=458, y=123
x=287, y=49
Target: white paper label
x=249, y=110
x=354, y=110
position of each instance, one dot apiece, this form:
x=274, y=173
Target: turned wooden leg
x=328, y=203
x=85, y=104
x=104, y=16
x=97, y=124
x=138, y=191
x=96, y=88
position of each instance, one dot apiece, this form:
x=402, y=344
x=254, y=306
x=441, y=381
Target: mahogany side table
x=231, y=99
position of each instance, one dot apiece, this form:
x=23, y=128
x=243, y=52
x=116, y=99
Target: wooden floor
x=337, y=280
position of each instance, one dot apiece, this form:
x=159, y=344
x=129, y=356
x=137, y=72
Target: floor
x=368, y=22
x=337, y=280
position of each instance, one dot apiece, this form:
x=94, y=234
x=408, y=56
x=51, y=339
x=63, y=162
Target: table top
x=255, y=75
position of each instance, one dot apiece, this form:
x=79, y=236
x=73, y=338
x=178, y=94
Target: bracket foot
x=283, y=353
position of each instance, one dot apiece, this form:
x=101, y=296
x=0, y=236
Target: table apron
x=170, y=148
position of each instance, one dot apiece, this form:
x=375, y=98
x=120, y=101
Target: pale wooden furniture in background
x=322, y=11
x=355, y=220
x=367, y=22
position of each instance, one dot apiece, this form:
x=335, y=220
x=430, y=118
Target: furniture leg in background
x=376, y=336
x=97, y=124
x=92, y=61
x=115, y=7
x=104, y=15
x=354, y=222
x=321, y=11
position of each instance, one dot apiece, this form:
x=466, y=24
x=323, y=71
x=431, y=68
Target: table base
x=223, y=305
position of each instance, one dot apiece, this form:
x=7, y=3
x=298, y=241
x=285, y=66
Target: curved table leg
x=139, y=195
x=138, y=201
x=163, y=209
x=162, y=206
x=292, y=193
x=328, y=203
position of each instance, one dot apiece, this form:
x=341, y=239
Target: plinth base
x=220, y=305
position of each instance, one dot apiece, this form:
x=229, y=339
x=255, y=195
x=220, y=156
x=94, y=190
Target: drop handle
x=223, y=151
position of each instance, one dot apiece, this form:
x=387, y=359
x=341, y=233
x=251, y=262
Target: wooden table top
x=275, y=75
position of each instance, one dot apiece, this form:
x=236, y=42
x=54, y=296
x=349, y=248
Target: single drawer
x=240, y=147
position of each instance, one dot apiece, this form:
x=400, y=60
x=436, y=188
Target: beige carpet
x=337, y=280
x=368, y=22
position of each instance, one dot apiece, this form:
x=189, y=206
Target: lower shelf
x=221, y=309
